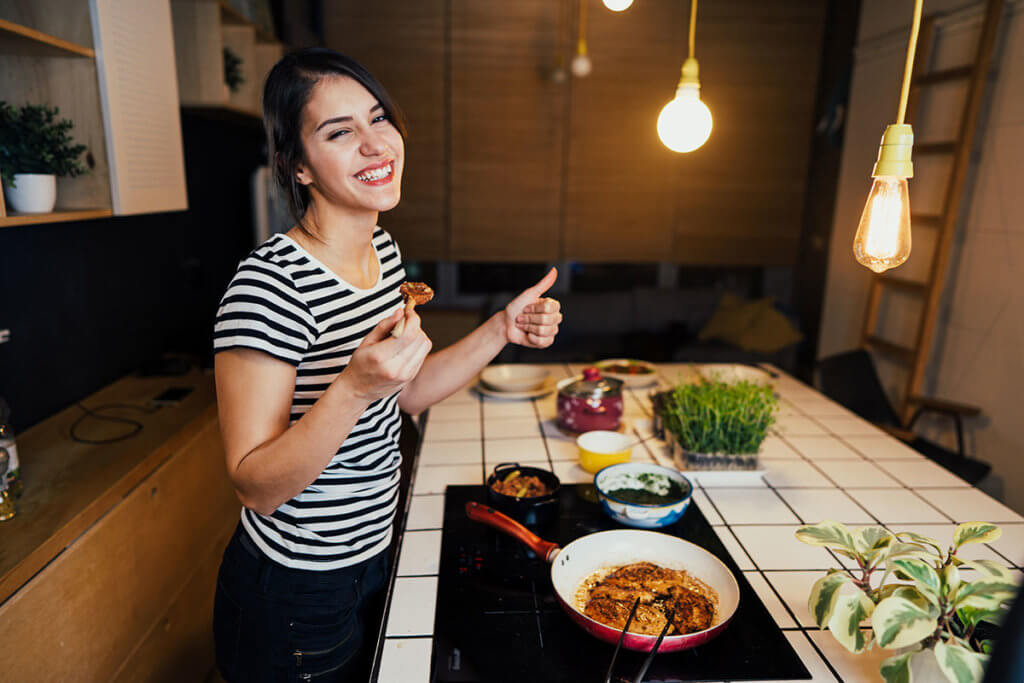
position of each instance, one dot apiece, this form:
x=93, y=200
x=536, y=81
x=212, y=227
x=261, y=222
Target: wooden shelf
x=229, y=15
x=60, y=216
x=19, y=40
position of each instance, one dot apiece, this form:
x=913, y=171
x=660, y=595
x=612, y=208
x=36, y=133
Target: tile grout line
x=782, y=602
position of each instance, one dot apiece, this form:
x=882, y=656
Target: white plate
x=629, y=380
x=731, y=373
x=514, y=378
x=544, y=390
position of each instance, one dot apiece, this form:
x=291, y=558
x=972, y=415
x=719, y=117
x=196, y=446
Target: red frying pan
x=581, y=558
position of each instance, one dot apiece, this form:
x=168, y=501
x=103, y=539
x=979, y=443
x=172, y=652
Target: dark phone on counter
x=170, y=397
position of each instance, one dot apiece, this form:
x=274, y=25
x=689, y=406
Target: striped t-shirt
x=284, y=302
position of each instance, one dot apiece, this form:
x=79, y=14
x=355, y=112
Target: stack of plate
x=515, y=381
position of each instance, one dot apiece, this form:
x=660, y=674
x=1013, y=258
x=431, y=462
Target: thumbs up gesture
x=532, y=320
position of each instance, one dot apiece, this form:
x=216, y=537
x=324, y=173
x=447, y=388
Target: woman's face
x=354, y=155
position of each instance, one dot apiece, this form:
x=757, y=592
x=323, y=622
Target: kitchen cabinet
x=108, y=571
x=108, y=67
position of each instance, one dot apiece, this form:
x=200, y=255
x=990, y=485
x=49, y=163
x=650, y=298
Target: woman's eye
x=337, y=134
x=382, y=117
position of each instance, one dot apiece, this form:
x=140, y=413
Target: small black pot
x=531, y=511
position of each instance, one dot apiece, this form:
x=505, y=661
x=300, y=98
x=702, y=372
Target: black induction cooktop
x=497, y=618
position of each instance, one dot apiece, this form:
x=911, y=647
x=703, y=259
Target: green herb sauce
x=647, y=497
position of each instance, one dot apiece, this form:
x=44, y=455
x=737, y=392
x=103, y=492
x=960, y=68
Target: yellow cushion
x=770, y=332
x=750, y=325
x=731, y=318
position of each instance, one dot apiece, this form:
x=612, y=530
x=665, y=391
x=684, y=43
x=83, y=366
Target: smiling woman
x=310, y=380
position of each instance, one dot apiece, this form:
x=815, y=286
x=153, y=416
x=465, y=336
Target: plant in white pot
x=35, y=147
x=932, y=607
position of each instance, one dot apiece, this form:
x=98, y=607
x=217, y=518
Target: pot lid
x=593, y=385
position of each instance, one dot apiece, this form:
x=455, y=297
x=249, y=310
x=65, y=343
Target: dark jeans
x=276, y=624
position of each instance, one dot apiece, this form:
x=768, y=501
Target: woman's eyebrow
x=342, y=119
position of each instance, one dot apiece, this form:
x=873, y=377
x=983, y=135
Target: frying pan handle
x=505, y=524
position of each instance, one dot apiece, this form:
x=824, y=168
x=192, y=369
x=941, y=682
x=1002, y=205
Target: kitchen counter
x=820, y=462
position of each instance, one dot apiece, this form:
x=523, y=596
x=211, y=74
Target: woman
x=310, y=380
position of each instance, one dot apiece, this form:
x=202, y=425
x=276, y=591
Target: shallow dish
x=514, y=377
x=599, y=449
x=644, y=375
x=544, y=390
x=731, y=373
x=656, y=481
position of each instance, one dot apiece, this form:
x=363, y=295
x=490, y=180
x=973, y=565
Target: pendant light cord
x=581, y=43
x=909, y=68
x=693, y=23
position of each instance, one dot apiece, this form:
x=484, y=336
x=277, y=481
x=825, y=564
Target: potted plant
x=714, y=424
x=917, y=594
x=35, y=147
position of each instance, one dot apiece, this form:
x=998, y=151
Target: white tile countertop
x=820, y=462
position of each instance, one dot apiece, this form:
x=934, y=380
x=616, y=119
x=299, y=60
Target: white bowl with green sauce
x=643, y=495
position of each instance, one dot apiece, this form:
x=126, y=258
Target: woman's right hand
x=383, y=365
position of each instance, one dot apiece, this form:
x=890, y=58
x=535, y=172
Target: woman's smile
x=377, y=174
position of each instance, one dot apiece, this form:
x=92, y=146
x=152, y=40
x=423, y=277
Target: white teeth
x=375, y=174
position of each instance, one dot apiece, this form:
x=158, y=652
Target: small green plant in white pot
x=923, y=600
x=35, y=148
x=715, y=425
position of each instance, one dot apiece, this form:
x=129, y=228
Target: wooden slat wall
x=739, y=198
x=532, y=170
x=403, y=45
x=506, y=131
x=620, y=201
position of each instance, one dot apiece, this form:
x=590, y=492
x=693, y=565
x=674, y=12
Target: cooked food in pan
x=665, y=594
x=627, y=369
x=519, y=485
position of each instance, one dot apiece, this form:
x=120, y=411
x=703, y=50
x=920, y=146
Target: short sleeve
x=263, y=310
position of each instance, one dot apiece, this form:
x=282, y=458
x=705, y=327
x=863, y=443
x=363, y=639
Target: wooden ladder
x=930, y=291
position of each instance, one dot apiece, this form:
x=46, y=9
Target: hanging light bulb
x=684, y=124
x=618, y=5
x=883, y=234
x=581, y=65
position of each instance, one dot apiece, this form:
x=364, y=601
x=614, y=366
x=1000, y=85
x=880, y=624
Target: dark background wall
x=88, y=302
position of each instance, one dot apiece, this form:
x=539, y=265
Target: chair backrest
x=850, y=379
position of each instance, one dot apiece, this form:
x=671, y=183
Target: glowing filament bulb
x=618, y=5
x=883, y=235
x=685, y=123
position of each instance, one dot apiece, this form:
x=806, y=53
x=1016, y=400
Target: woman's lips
x=380, y=175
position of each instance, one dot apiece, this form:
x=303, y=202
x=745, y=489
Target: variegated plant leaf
x=870, y=540
x=991, y=570
x=972, y=616
x=920, y=539
x=898, y=622
x=850, y=610
x=829, y=534
x=976, y=532
x=959, y=664
x=918, y=571
x=896, y=669
x=950, y=579
x=824, y=594
x=984, y=594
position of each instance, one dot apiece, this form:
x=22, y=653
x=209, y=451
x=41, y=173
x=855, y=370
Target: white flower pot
x=34, y=193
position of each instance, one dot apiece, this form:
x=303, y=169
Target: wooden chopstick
x=622, y=636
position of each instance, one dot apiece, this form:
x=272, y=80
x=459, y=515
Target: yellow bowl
x=599, y=449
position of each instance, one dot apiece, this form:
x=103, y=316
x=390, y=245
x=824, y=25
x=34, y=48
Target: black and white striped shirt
x=284, y=302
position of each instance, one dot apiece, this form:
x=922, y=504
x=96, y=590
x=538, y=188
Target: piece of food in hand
x=413, y=293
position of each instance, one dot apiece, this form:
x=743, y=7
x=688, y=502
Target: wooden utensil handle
x=505, y=524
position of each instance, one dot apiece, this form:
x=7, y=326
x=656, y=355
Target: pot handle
x=505, y=524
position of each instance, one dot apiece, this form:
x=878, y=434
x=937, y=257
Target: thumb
x=383, y=329
x=535, y=292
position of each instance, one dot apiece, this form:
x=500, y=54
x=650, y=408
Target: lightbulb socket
x=690, y=73
x=894, y=153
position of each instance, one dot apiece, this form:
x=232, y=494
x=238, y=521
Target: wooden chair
x=851, y=379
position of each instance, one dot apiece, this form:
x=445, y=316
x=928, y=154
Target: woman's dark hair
x=285, y=94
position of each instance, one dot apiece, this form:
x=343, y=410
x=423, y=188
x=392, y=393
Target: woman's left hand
x=531, y=320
